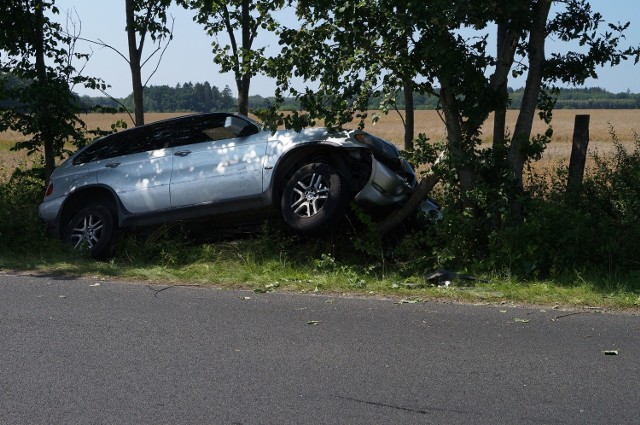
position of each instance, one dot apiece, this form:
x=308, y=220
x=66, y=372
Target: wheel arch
x=345, y=160
x=85, y=196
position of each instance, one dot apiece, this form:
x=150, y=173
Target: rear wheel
x=92, y=229
x=315, y=197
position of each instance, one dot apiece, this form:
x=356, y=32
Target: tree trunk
x=499, y=85
x=135, y=54
x=244, y=81
x=522, y=133
x=44, y=127
x=409, y=116
x=455, y=138
x=507, y=41
x=243, y=94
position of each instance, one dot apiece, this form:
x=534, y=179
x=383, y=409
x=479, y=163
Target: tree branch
x=126, y=110
x=161, y=55
x=103, y=44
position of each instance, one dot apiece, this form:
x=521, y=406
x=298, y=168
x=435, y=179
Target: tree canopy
x=37, y=73
x=356, y=51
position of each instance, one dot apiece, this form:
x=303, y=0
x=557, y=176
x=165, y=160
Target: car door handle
x=112, y=164
x=182, y=153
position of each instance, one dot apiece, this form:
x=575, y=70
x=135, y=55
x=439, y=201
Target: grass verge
x=265, y=262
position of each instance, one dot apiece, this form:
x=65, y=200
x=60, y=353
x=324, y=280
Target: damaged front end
x=385, y=187
x=392, y=179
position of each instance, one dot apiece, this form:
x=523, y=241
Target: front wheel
x=92, y=229
x=315, y=197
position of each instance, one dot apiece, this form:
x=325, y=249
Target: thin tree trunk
x=409, y=116
x=243, y=81
x=134, y=63
x=243, y=94
x=507, y=42
x=41, y=72
x=499, y=86
x=455, y=138
x=522, y=133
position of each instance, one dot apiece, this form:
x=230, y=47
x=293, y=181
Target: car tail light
x=49, y=190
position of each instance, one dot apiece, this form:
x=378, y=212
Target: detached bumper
x=384, y=187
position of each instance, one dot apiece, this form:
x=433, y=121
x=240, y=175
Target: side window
x=98, y=150
x=207, y=128
x=160, y=136
x=127, y=142
x=142, y=139
x=200, y=129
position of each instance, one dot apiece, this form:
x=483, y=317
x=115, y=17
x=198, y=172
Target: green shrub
x=20, y=227
x=597, y=230
x=611, y=196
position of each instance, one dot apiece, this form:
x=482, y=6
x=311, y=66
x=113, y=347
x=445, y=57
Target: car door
x=215, y=161
x=138, y=168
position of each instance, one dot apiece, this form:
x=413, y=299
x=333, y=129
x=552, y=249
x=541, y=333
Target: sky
x=188, y=57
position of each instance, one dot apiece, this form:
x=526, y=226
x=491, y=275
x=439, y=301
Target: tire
x=314, y=198
x=92, y=229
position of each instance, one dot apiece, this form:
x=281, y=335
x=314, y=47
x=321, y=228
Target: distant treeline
x=198, y=97
x=583, y=98
x=591, y=98
x=203, y=97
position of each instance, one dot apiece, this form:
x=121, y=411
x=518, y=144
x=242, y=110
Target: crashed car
x=220, y=165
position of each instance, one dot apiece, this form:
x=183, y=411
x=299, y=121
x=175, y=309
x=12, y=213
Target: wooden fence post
x=578, y=154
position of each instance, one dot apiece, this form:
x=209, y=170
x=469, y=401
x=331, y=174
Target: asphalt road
x=73, y=352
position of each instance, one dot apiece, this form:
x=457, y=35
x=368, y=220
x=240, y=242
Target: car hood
x=334, y=137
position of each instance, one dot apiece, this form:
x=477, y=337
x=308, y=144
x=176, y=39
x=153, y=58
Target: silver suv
x=216, y=165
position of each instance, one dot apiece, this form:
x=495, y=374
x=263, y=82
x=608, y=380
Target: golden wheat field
x=625, y=123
